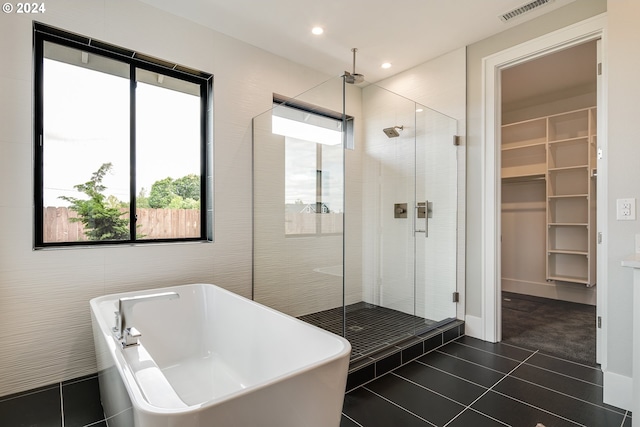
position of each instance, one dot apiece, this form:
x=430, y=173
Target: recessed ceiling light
x=419, y=110
x=386, y=65
x=317, y=30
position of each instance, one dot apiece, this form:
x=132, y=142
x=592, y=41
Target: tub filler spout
x=123, y=330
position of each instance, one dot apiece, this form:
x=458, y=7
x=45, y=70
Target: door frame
x=590, y=29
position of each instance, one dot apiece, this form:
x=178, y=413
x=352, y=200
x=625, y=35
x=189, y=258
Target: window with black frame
x=122, y=145
x=314, y=166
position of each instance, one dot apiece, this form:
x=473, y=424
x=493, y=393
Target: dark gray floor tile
x=461, y=368
x=627, y=421
x=412, y=351
x=417, y=400
x=452, y=387
x=500, y=349
x=482, y=358
x=471, y=418
x=515, y=413
x=346, y=422
x=361, y=376
x=564, y=406
x=583, y=372
x=81, y=402
x=370, y=410
x=41, y=408
x=388, y=363
x=563, y=384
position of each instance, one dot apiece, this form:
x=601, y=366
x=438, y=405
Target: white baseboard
x=571, y=292
x=473, y=327
x=617, y=390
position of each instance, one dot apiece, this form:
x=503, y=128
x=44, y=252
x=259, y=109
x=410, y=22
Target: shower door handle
x=423, y=211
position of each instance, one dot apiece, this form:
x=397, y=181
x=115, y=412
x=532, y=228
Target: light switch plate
x=626, y=209
x=638, y=243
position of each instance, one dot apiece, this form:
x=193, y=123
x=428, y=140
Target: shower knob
x=400, y=210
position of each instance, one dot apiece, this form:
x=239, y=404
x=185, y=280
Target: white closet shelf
x=565, y=168
x=575, y=139
x=568, y=196
x=568, y=224
x=573, y=279
x=529, y=145
x=567, y=252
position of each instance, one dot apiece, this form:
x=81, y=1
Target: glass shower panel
x=299, y=206
x=436, y=187
x=386, y=271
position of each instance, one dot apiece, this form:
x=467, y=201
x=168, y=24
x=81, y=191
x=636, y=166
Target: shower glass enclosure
x=355, y=213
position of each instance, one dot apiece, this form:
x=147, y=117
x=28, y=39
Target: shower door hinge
x=456, y=140
x=599, y=322
x=456, y=297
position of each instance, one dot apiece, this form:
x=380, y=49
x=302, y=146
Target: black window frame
x=43, y=33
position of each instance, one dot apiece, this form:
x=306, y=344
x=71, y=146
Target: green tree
x=187, y=187
x=182, y=193
x=101, y=215
x=142, y=201
x=161, y=193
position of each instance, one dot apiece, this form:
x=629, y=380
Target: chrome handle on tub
x=131, y=336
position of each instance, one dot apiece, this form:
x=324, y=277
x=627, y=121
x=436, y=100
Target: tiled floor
x=471, y=383
x=466, y=383
x=69, y=404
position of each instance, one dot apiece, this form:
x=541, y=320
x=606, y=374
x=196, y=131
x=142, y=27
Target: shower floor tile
x=370, y=328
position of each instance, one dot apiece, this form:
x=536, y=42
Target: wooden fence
x=312, y=223
x=153, y=224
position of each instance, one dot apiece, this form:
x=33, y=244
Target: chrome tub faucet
x=123, y=330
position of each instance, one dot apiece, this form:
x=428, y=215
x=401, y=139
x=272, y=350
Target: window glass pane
x=168, y=157
x=300, y=186
x=85, y=147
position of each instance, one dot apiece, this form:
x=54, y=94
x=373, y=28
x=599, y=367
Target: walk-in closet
x=548, y=161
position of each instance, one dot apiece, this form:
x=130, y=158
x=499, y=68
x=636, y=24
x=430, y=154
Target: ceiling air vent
x=525, y=8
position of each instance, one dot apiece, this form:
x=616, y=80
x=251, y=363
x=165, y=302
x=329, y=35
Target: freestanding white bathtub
x=213, y=358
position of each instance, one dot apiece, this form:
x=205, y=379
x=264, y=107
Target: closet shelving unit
x=560, y=149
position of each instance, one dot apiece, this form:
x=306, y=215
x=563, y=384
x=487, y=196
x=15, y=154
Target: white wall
x=45, y=326
x=622, y=156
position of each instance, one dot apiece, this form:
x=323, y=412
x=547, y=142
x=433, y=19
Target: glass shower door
x=436, y=195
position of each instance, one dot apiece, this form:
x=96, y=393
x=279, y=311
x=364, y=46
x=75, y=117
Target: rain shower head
x=353, y=78
x=392, y=132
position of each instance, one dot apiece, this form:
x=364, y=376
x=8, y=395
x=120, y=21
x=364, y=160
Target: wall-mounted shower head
x=392, y=132
x=353, y=78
